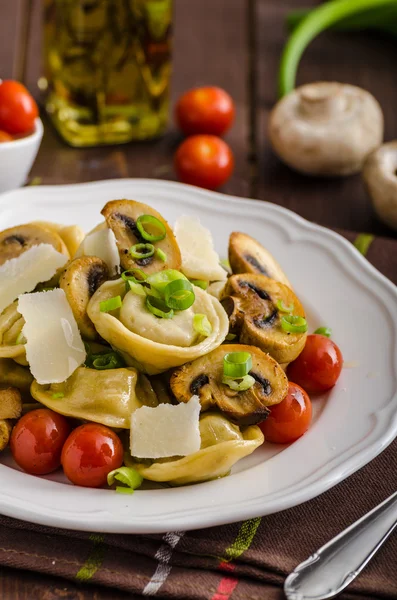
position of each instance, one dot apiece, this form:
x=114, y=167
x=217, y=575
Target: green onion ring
x=245, y=384
x=130, y=478
x=327, y=331
x=161, y=255
x=201, y=283
x=140, y=251
x=237, y=364
x=58, y=395
x=202, y=325
x=136, y=288
x=112, y=360
x=149, y=219
x=179, y=294
x=294, y=324
x=135, y=275
x=110, y=304
x=230, y=337
x=285, y=309
x=159, y=281
x=157, y=307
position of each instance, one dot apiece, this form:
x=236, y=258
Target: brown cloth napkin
x=242, y=561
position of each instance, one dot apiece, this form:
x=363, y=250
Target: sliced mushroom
x=11, y=339
x=380, y=177
x=5, y=432
x=204, y=376
x=250, y=301
x=326, y=128
x=246, y=255
x=10, y=403
x=80, y=280
x=121, y=217
x=16, y=240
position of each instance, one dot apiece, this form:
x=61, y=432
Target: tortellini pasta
x=222, y=445
x=11, y=323
x=108, y=397
x=152, y=344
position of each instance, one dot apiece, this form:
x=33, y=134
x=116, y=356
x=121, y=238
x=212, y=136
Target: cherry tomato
x=205, y=110
x=204, y=160
x=18, y=110
x=5, y=137
x=318, y=366
x=90, y=453
x=289, y=419
x=37, y=440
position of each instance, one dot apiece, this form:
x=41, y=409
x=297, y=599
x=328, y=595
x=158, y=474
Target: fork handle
x=332, y=568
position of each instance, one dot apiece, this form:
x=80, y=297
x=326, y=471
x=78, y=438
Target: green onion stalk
x=317, y=20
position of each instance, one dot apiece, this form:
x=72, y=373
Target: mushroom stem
x=319, y=103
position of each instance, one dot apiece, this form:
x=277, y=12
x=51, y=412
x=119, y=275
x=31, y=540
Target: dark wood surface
x=235, y=44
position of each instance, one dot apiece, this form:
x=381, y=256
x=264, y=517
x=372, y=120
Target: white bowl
x=17, y=157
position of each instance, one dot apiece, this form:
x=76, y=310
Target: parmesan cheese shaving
x=21, y=274
x=54, y=348
x=166, y=430
x=199, y=259
x=103, y=245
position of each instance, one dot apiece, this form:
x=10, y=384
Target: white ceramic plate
x=352, y=423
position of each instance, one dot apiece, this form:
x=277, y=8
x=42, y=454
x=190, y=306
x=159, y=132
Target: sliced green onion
x=159, y=281
x=237, y=364
x=230, y=337
x=111, y=360
x=285, y=309
x=202, y=325
x=239, y=386
x=58, y=395
x=136, y=288
x=161, y=255
x=20, y=339
x=123, y=490
x=158, y=308
x=154, y=223
x=201, y=283
x=142, y=251
x=130, y=478
x=294, y=324
x=135, y=275
x=111, y=304
x=179, y=294
x=363, y=242
x=324, y=331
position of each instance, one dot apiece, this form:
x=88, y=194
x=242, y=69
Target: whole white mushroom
x=380, y=177
x=326, y=128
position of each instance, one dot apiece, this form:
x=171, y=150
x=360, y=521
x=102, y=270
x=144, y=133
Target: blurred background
x=233, y=44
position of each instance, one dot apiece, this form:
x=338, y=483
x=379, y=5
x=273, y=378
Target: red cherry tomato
x=205, y=110
x=37, y=440
x=90, y=453
x=18, y=110
x=204, y=160
x=289, y=419
x=318, y=367
x=5, y=137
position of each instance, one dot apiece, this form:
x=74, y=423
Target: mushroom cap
x=380, y=178
x=250, y=301
x=80, y=280
x=121, y=217
x=203, y=377
x=246, y=255
x=326, y=128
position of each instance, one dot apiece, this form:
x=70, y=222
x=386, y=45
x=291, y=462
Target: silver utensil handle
x=331, y=569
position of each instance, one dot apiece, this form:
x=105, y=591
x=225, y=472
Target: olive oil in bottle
x=107, y=69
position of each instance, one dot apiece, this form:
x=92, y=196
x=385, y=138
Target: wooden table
x=235, y=44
